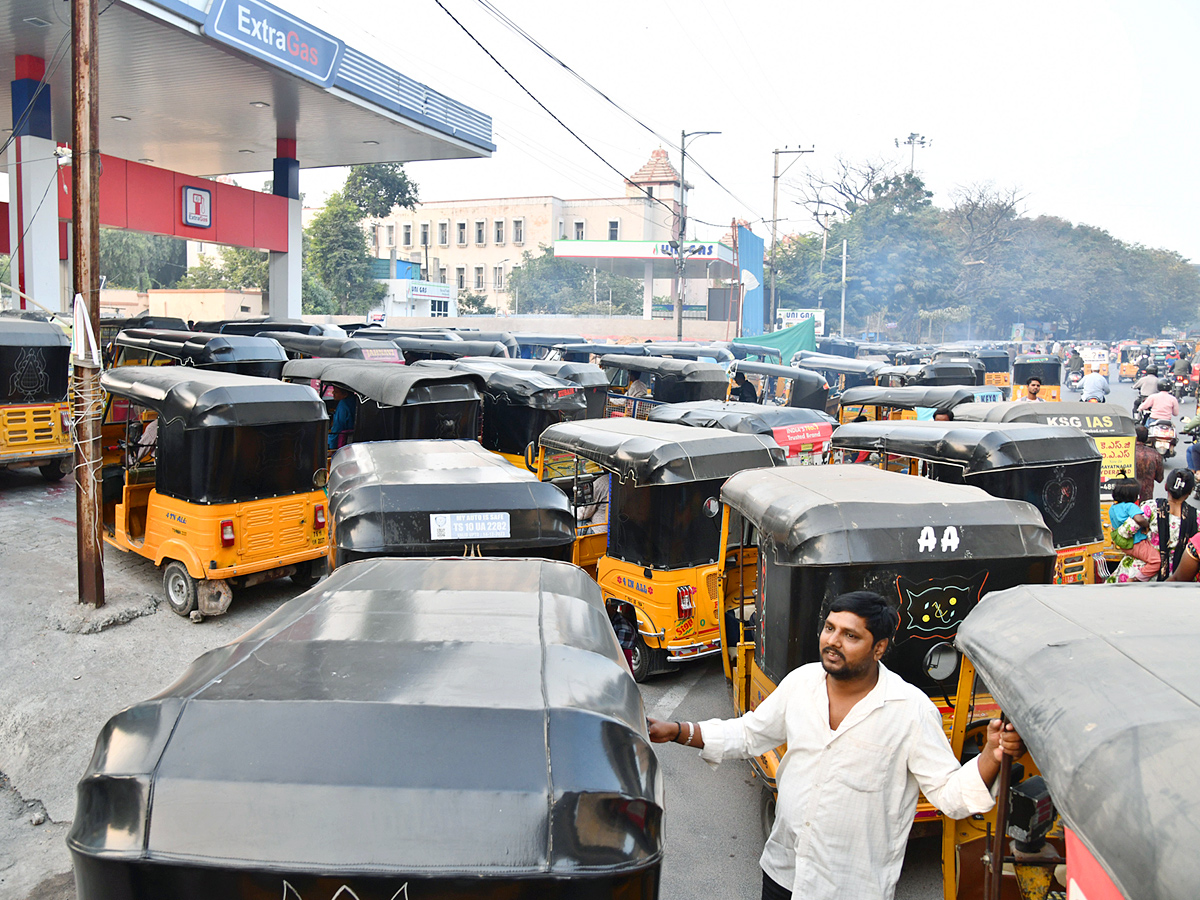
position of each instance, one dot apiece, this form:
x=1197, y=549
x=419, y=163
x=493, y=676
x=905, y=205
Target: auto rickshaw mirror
x=531, y=456
x=712, y=507
x=320, y=478
x=941, y=661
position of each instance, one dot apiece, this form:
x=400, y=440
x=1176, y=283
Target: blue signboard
x=750, y=260
x=269, y=33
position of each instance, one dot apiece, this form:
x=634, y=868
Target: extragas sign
x=262, y=30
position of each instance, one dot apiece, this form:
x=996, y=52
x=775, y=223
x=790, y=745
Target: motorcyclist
x=1148, y=383
x=1161, y=405
x=1075, y=362
x=1094, y=387
x=1180, y=367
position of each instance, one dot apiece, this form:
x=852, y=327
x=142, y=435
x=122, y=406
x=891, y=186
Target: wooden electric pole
x=85, y=258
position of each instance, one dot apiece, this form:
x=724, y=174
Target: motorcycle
x=1163, y=438
x=1073, y=380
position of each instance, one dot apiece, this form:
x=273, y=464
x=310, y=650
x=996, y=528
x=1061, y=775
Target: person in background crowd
x=1147, y=464
x=1094, y=387
x=1032, y=388
x=943, y=415
x=637, y=387
x=341, y=426
x=1170, y=522
x=1125, y=507
x=1075, y=362
x=1148, y=383
x=1162, y=405
x=744, y=390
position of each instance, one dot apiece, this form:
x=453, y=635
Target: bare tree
x=852, y=184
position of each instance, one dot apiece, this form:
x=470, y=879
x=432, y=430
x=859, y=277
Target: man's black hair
x=1032, y=380
x=1125, y=490
x=739, y=378
x=1142, y=433
x=948, y=413
x=879, y=615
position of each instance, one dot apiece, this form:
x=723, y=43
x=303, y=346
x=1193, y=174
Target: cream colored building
x=473, y=245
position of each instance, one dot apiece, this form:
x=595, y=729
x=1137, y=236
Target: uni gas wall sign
x=268, y=33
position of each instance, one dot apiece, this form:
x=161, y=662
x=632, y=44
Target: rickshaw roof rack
x=580, y=373
x=1094, y=418
x=458, y=348
x=688, y=370
x=976, y=446
x=202, y=348
x=844, y=515
x=656, y=453
x=771, y=370
x=211, y=398
x=1101, y=682
x=464, y=683
x=732, y=415
x=19, y=331
x=384, y=382
x=807, y=359
x=946, y=396
x=534, y=389
x=319, y=345
x=383, y=494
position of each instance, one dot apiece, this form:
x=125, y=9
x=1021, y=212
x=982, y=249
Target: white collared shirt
x=847, y=797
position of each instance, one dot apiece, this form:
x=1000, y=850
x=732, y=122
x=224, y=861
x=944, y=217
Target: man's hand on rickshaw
x=1003, y=740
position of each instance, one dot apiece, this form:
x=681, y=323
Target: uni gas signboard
x=271, y=34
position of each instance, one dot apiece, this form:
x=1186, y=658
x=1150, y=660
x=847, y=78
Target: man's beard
x=846, y=672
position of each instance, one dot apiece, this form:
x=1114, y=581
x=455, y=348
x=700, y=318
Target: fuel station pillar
x=284, y=276
x=32, y=189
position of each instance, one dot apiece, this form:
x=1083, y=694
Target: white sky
x=1086, y=107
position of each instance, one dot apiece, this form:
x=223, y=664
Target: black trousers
x=772, y=890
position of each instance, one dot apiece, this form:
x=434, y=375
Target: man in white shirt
x=861, y=744
x=1094, y=386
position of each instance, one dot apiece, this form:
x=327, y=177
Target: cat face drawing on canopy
x=934, y=608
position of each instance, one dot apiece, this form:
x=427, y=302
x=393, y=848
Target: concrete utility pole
x=85, y=258
x=775, y=215
x=681, y=235
x=843, y=334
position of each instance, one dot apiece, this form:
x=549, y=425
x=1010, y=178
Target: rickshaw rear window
x=1068, y=497
x=664, y=526
x=454, y=421
x=33, y=374
x=510, y=429
x=228, y=464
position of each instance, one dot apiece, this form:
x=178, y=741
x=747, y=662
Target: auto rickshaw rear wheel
x=54, y=471
x=305, y=575
x=766, y=810
x=641, y=664
x=180, y=588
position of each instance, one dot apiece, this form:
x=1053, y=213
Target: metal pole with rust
x=85, y=258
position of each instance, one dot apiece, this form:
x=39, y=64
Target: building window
x=439, y=308
x=424, y=234
x=480, y=231
x=518, y=231
x=578, y=229
x=614, y=229
x=479, y=278
x=498, y=278
x=460, y=277
x=562, y=229
x=461, y=232
x=442, y=275
x=444, y=234
x=650, y=192
x=499, y=223
x=391, y=235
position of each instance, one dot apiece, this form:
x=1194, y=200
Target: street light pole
x=680, y=236
x=914, y=141
x=775, y=215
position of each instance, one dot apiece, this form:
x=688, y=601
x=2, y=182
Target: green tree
x=139, y=262
x=338, y=257
x=315, y=298
x=470, y=304
x=378, y=188
x=234, y=269
x=547, y=284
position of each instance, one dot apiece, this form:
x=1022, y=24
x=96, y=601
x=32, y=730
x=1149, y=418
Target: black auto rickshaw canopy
x=242, y=354
x=935, y=397
x=589, y=377
x=808, y=388
x=993, y=360
x=416, y=349
x=113, y=327
x=584, y=351
x=932, y=549
x=958, y=370
x=536, y=346
x=834, y=346
x=1098, y=419
x=429, y=497
x=743, y=351
x=386, y=383
x=676, y=350
x=1100, y=681
x=307, y=346
x=1046, y=367
x=659, y=453
x=675, y=380
x=468, y=725
x=841, y=365
x=257, y=326
x=34, y=361
x=512, y=386
x=744, y=418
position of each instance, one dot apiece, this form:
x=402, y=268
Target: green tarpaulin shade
x=788, y=341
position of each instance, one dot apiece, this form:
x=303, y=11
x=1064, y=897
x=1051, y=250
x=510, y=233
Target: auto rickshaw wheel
x=766, y=810
x=305, y=576
x=56, y=470
x=641, y=664
x=180, y=588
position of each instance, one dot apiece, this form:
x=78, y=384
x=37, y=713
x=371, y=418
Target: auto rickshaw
x=590, y=378
x=803, y=433
x=665, y=568
x=307, y=346
x=785, y=385
x=898, y=375
x=416, y=349
x=592, y=351
x=1095, y=359
x=1044, y=366
x=840, y=372
x=836, y=346
x=933, y=549
x=955, y=370
x=1054, y=467
x=538, y=346
x=995, y=367
x=397, y=403
x=683, y=350
x=240, y=354
x=895, y=403
x=1104, y=801
x=257, y=325
x=219, y=480
x=745, y=352
x=517, y=405
x=411, y=728
x=110, y=328
x=35, y=415
x=441, y=498
x=669, y=381
x=1128, y=354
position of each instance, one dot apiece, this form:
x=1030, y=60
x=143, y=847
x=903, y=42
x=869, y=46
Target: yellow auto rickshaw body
x=35, y=425
x=217, y=477
x=1044, y=366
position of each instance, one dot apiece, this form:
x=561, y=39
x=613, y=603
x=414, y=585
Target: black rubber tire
x=766, y=811
x=54, y=471
x=305, y=577
x=643, y=665
x=179, y=588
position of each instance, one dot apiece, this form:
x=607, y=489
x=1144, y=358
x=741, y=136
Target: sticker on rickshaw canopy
x=562, y=465
x=1118, y=457
x=802, y=433
x=1094, y=425
x=468, y=526
x=388, y=353
x=934, y=608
